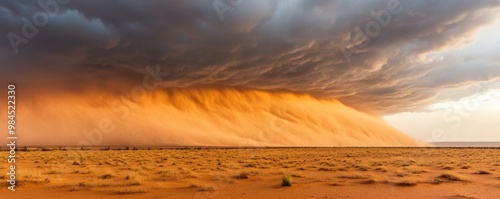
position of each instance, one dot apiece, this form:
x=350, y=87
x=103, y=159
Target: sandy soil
x=257, y=173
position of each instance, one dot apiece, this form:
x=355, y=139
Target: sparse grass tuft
x=34, y=176
x=369, y=181
x=286, y=181
x=170, y=175
x=343, y=169
x=335, y=184
x=402, y=173
x=353, y=177
x=106, y=176
x=129, y=190
x=381, y=169
x=483, y=172
x=463, y=197
x=202, y=187
x=242, y=175
x=415, y=170
x=53, y=172
x=407, y=183
x=453, y=177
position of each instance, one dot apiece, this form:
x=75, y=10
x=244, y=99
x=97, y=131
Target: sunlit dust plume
x=206, y=117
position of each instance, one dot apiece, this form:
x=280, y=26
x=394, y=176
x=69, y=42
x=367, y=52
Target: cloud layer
x=393, y=65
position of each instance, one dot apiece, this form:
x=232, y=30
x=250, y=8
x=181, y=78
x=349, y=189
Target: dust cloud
x=201, y=117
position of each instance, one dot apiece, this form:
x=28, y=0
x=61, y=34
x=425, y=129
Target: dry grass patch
x=335, y=184
x=462, y=197
x=173, y=175
x=34, y=176
x=483, y=172
x=343, y=169
x=369, y=181
x=104, y=182
x=362, y=167
x=382, y=169
x=106, y=176
x=129, y=190
x=199, y=186
x=454, y=177
x=133, y=176
x=407, y=182
x=242, y=175
x=354, y=176
x=326, y=169
x=53, y=172
x=401, y=173
x=415, y=170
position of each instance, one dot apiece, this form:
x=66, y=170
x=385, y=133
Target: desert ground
x=197, y=173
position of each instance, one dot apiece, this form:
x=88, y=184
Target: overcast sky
x=407, y=61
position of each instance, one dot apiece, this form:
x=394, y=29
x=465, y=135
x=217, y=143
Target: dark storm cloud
x=270, y=45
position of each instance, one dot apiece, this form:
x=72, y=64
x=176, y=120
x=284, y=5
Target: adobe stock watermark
x=372, y=29
x=223, y=6
x=30, y=26
x=221, y=179
x=123, y=107
x=455, y=114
